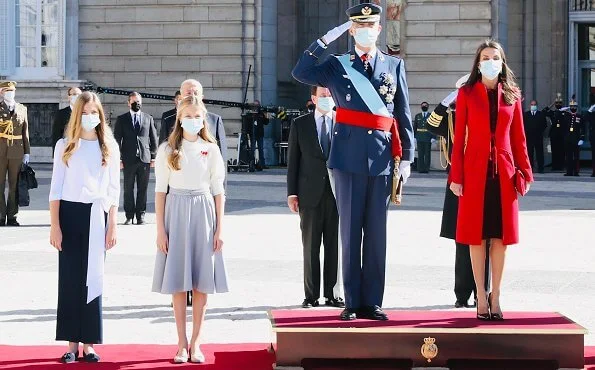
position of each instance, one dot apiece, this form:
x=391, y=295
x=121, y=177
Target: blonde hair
x=175, y=138
x=74, y=128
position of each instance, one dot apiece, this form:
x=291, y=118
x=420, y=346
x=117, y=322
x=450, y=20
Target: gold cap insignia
x=366, y=10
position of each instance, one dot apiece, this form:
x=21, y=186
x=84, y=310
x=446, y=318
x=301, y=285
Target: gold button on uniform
x=369, y=132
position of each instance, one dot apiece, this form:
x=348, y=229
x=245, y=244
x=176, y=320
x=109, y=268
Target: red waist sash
x=373, y=122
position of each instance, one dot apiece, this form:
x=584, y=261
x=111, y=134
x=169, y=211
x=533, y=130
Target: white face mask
x=192, y=125
x=9, y=96
x=73, y=100
x=325, y=104
x=90, y=121
x=366, y=36
x=490, y=69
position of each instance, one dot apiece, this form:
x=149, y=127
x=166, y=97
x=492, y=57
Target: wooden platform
x=428, y=338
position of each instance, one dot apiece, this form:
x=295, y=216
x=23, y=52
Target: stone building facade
x=152, y=45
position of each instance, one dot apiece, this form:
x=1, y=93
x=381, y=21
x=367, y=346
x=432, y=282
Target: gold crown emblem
x=429, y=349
x=367, y=10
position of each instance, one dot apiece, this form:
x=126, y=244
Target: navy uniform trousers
x=77, y=321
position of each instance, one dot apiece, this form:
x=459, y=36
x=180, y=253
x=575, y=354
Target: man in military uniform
x=574, y=138
x=423, y=138
x=373, y=133
x=14, y=150
x=557, y=133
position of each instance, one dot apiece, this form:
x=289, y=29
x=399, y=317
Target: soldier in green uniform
x=424, y=139
x=14, y=150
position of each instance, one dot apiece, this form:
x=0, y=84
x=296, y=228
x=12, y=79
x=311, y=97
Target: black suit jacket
x=168, y=119
x=307, y=174
x=131, y=142
x=59, y=126
x=534, y=125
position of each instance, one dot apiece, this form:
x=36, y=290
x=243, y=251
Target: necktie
x=325, y=142
x=367, y=66
x=136, y=124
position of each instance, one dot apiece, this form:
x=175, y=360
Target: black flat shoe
x=372, y=313
x=348, y=314
x=91, y=357
x=335, y=302
x=495, y=316
x=69, y=357
x=309, y=303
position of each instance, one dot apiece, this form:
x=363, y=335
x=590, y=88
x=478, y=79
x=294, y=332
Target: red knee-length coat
x=470, y=155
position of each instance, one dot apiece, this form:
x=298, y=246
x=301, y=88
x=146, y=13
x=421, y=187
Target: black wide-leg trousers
x=76, y=321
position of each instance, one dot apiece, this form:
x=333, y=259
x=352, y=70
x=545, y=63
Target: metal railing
x=582, y=5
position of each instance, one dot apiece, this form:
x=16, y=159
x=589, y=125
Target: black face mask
x=558, y=106
x=311, y=107
x=573, y=109
x=135, y=106
x=424, y=108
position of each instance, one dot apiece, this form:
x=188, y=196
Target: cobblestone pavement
x=552, y=269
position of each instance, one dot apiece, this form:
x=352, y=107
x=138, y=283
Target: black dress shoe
x=128, y=221
x=372, y=313
x=461, y=304
x=91, y=357
x=348, y=314
x=309, y=303
x=13, y=222
x=69, y=357
x=140, y=221
x=335, y=302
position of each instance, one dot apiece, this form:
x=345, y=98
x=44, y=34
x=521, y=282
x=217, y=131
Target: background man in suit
x=424, y=139
x=371, y=93
x=259, y=120
x=14, y=149
x=168, y=119
x=63, y=116
x=214, y=121
x=309, y=193
x=137, y=137
x=535, y=125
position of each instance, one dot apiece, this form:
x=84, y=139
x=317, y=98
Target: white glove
x=26, y=159
x=450, y=98
x=581, y=142
x=336, y=32
x=405, y=170
x=433, y=140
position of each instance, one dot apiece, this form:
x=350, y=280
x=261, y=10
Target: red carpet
x=128, y=357
x=422, y=319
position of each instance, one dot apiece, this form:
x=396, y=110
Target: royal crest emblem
x=429, y=349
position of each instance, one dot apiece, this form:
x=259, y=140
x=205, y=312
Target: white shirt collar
x=132, y=113
x=318, y=115
x=371, y=54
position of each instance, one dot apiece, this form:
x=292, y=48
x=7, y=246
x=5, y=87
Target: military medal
x=348, y=97
x=571, y=129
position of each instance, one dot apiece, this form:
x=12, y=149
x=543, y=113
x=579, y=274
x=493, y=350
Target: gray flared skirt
x=190, y=263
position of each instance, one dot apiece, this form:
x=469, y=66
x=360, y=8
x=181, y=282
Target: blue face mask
x=325, y=104
x=90, y=121
x=534, y=108
x=192, y=125
x=490, y=68
x=366, y=36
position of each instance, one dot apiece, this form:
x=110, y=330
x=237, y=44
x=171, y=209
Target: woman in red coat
x=489, y=146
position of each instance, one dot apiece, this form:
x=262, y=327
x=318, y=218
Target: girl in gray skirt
x=189, y=219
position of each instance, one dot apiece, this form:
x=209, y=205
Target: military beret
x=364, y=13
x=8, y=84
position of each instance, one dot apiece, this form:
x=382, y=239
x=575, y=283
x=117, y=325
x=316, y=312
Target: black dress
x=492, y=204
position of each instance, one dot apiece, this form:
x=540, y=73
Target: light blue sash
x=364, y=88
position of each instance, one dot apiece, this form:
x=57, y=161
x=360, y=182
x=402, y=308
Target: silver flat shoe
x=181, y=357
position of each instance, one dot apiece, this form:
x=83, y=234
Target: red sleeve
x=458, y=150
x=518, y=142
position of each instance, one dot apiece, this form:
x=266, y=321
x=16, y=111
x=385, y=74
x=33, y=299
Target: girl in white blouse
x=189, y=221
x=84, y=197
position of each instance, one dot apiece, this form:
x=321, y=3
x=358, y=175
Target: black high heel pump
x=495, y=316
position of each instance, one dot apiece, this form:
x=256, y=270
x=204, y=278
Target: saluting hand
x=56, y=237
x=457, y=189
x=336, y=32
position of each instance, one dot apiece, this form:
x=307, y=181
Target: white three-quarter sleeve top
x=86, y=180
x=201, y=168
